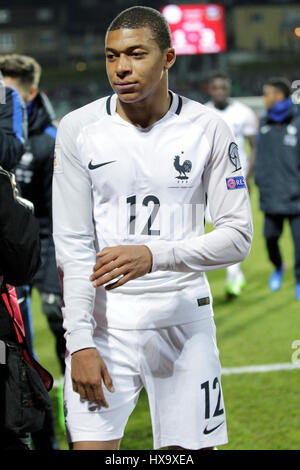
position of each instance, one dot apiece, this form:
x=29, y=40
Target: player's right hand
x=88, y=370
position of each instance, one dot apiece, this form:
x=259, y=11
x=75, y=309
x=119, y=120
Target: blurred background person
x=243, y=123
x=34, y=179
x=13, y=126
x=20, y=257
x=277, y=175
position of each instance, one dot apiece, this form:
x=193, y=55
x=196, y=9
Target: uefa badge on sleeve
x=235, y=182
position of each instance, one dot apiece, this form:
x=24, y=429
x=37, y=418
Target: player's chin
x=129, y=96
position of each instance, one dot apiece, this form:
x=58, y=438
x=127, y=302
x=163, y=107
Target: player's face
x=135, y=64
x=219, y=90
x=271, y=96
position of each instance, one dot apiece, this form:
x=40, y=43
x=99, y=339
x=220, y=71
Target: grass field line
x=241, y=370
x=260, y=368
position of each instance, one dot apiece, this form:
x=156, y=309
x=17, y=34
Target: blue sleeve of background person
x=11, y=130
x=51, y=131
x=18, y=116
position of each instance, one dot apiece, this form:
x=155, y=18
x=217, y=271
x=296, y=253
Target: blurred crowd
x=66, y=97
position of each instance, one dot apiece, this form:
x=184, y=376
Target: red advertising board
x=196, y=29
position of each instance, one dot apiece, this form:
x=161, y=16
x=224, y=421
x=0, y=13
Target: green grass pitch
x=258, y=328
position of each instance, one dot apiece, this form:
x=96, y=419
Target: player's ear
x=32, y=93
x=170, y=58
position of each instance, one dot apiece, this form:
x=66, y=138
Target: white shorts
x=180, y=370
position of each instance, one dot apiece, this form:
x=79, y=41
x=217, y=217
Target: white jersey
x=243, y=123
x=117, y=184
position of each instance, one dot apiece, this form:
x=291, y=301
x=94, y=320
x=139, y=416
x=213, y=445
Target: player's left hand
x=128, y=261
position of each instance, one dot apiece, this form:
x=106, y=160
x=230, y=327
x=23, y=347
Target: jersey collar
x=175, y=108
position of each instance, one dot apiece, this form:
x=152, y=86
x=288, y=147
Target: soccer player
x=277, y=175
x=243, y=123
x=131, y=174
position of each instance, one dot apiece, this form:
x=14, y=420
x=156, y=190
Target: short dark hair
x=281, y=83
x=23, y=67
x=222, y=75
x=141, y=17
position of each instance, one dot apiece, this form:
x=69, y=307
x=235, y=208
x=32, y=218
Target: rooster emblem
x=183, y=168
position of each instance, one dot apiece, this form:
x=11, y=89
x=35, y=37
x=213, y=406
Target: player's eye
x=138, y=54
x=110, y=56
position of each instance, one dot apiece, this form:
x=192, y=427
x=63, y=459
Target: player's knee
x=183, y=448
x=97, y=445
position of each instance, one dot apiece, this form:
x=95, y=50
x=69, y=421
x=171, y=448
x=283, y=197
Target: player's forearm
x=74, y=239
x=75, y=261
x=217, y=249
x=77, y=312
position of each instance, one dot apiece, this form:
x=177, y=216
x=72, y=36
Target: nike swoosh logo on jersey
x=93, y=167
x=208, y=431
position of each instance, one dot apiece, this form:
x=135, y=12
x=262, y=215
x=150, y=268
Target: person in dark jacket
x=34, y=179
x=12, y=126
x=19, y=247
x=19, y=260
x=277, y=175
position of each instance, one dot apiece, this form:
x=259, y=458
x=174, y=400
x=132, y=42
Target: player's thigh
x=183, y=381
x=87, y=421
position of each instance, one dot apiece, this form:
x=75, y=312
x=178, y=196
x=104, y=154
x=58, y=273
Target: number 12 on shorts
x=206, y=387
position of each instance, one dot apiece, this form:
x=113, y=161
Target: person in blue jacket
x=34, y=180
x=277, y=175
x=12, y=126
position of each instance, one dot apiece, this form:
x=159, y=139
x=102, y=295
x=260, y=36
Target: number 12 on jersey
x=147, y=230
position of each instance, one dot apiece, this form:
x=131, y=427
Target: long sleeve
x=229, y=204
x=73, y=232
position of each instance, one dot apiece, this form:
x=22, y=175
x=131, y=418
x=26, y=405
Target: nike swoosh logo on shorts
x=208, y=431
x=93, y=167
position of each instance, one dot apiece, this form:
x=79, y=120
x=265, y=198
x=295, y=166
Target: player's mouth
x=125, y=86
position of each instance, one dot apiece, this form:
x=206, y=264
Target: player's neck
x=221, y=105
x=146, y=112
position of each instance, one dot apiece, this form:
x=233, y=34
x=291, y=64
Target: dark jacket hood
x=40, y=114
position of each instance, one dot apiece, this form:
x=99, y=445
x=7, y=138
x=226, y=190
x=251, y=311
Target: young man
x=277, y=175
x=34, y=178
x=131, y=174
x=243, y=123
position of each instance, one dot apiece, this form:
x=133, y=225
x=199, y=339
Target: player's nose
x=123, y=65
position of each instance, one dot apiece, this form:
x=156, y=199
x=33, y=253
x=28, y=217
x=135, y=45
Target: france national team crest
x=235, y=182
x=182, y=167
